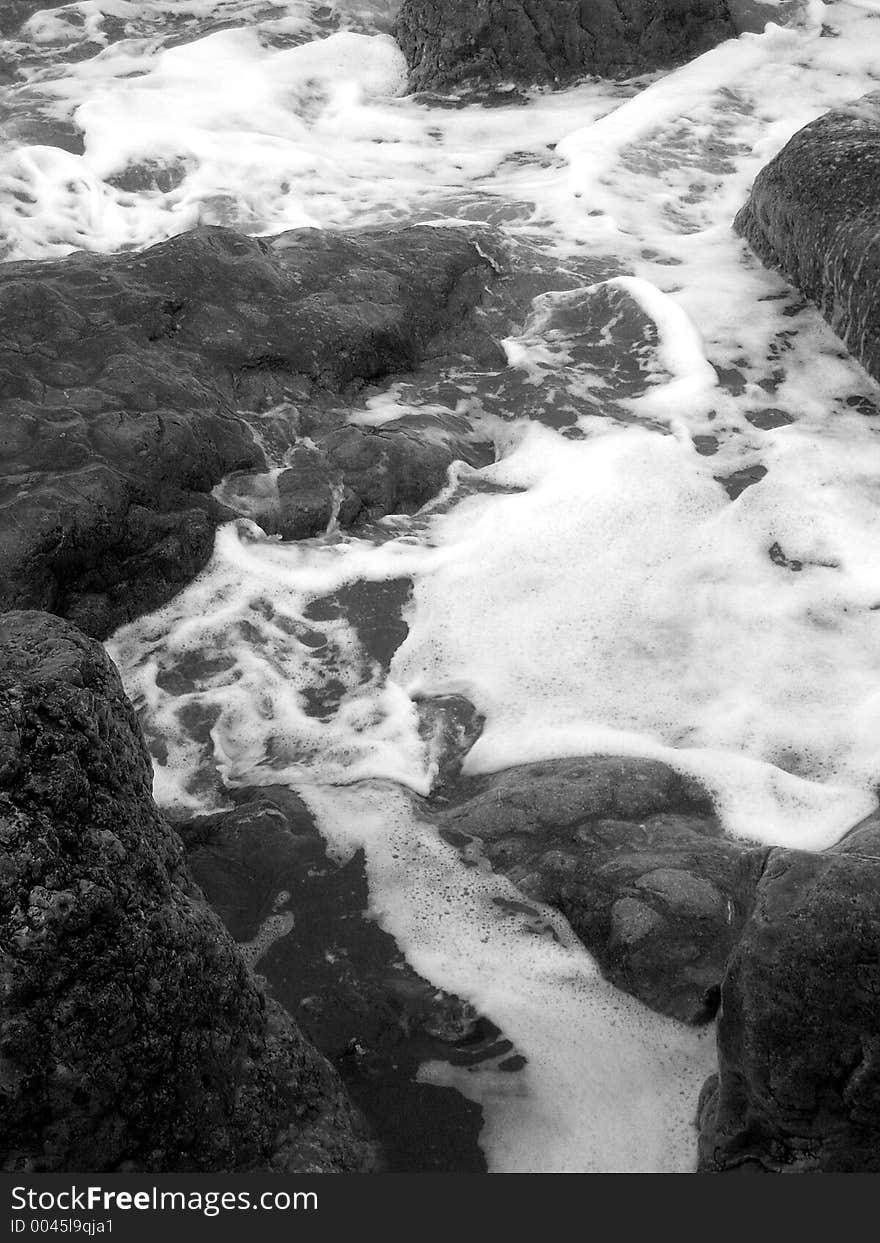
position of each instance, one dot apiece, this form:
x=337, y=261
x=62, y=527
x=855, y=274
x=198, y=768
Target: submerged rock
x=632, y=856
x=814, y=211
x=383, y=473
x=125, y=382
x=132, y=1035
x=527, y=42
x=798, y=1088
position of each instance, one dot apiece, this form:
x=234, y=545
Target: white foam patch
x=609, y=1085
x=262, y=671
x=255, y=136
x=620, y=603
x=242, y=112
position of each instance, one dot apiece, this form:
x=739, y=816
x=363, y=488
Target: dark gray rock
x=309, y=491
x=132, y=1035
x=490, y=42
x=123, y=379
x=632, y=856
x=798, y=1087
x=814, y=212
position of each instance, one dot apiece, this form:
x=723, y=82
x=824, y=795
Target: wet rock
x=123, y=378
x=632, y=856
x=798, y=1088
x=308, y=493
x=450, y=724
x=350, y=476
x=814, y=212
x=385, y=472
x=150, y=175
x=342, y=977
x=132, y=1035
x=527, y=42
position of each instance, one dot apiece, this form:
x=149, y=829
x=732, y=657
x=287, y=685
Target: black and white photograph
x=439, y=599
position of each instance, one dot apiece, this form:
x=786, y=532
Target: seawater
x=670, y=412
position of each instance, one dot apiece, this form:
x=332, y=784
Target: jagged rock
x=489, y=42
x=814, y=211
x=132, y=1035
x=122, y=378
x=798, y=1088
x=632, y=856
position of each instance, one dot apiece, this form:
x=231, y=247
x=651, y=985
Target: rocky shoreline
x=148, y=397
x=114, y=953
x=133, y=384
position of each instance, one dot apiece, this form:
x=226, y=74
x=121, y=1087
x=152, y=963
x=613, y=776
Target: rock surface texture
x=814, y=212
x=798, y=1088
x=130, y=385
x=133, y=1036
x=632, y=856
x=490, y=42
